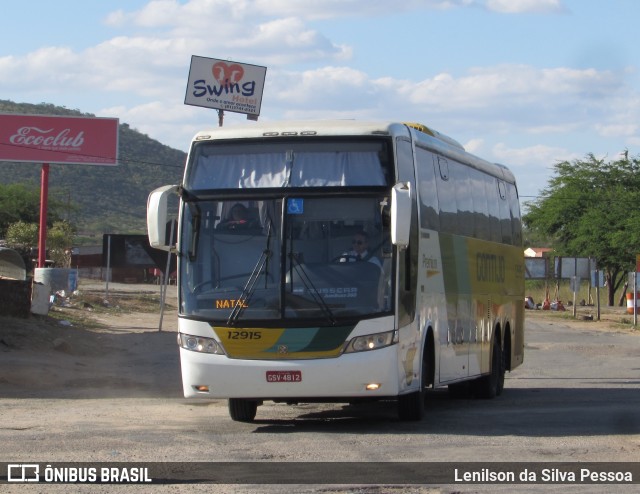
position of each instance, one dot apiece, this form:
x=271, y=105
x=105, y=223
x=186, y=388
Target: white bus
x=273, y=303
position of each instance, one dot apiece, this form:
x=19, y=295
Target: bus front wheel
x=411, y=406
x=242, y=410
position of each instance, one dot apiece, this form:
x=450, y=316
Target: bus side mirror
x=400, y=214
x=157, y=213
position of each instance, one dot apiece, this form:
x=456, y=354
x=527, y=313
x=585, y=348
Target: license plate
x=294, y=376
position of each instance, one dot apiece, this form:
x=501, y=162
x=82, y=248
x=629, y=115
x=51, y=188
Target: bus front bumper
x=371, y=374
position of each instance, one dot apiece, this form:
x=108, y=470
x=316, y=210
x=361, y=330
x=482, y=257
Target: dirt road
x=106, y=388
x=93, y=349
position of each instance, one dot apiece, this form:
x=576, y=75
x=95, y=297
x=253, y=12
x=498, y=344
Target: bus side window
x=461, y=177
x=514, y=205
x=447, y=199
x=480, y=207
x=505, y=215
x=427, y=191
x=493, y=198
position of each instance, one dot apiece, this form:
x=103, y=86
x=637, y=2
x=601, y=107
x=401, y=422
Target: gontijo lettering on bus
x=490, y=267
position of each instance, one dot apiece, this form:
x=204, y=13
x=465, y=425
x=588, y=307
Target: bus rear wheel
x=490, y=386
x=242, y=410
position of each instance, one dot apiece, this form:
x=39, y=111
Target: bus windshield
x=279, y=164
x=324, y=259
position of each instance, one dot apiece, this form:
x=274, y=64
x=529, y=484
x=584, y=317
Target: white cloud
x=526, y=6
x=152, y=60
x=531, y=156
x=240, y=29
x=617, y=130
x=274, y=32
x=621, y=122
x=172, y=123
x=142, y=73
x=327, y=9
x=153, y=14
x=474, y=146
x=505, y=98
x=333, y=85
x=522, y=83
x=531, y=165
x=634, y=141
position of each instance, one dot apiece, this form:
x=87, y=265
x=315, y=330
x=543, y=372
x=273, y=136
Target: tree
x=23, y=237
x=59, y=242
x=21, y=202
x=589, y=210
x=18, y=202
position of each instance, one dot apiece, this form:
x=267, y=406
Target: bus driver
x=360, y=250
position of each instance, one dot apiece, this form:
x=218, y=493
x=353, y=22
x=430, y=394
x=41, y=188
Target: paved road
x=576, y=399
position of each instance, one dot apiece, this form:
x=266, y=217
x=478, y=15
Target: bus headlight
x=372, y=342
x=199, y=344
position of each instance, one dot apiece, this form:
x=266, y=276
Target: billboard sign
x=568, y=267
x=535, y=268
x=54, y=139
x=225, y=85
x=132, y=251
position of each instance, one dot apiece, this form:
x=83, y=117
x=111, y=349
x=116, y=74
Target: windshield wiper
x=313, y=291
x=249, y=286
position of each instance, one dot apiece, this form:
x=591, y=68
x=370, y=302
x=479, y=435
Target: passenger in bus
x=238, y=219
x=360, y=250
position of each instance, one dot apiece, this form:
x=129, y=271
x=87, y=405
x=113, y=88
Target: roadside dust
x=614, y=319
x=89, y=347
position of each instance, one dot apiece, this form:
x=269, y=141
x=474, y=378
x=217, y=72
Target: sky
x=526, y=83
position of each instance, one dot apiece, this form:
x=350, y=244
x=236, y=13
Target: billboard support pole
x=106, y=290
x=42, y=233
x=220, y=118
x=635, y=299
x=598, y=293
